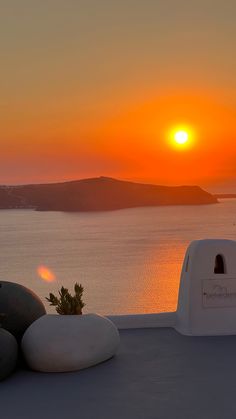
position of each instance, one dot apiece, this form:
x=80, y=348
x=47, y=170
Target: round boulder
x=60, y=343
x=8, y=353
x=19, y=307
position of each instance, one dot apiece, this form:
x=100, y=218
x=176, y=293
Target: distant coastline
x=99, y=194
x=225, y=195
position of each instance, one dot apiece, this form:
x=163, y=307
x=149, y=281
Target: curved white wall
x=207, y=300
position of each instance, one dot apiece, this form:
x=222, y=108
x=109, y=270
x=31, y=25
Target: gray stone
x=8, y=353
x=19, y=307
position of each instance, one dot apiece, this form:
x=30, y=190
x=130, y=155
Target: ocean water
x=129, y=261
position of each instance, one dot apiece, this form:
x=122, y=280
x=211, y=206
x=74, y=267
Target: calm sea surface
x=129, y=261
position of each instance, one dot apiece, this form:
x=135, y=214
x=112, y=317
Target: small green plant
x=67, y=303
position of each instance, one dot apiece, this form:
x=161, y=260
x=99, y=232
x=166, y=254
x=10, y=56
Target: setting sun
x=181, y=137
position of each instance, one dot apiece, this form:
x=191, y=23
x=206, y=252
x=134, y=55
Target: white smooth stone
x=60, y=343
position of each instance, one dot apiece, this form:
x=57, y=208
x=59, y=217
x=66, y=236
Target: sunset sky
x=98, y=87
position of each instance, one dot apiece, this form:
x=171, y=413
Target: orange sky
x=147, y=151
x=93, y=88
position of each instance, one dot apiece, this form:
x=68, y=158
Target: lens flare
x=45, y=273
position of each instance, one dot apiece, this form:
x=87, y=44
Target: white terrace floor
x=157, y=374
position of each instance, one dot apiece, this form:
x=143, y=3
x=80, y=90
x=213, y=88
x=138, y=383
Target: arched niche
x=220, y=266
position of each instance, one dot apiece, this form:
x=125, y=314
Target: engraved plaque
x=219, y=293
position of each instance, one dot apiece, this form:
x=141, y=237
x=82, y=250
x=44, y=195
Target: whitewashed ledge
x=143, y=321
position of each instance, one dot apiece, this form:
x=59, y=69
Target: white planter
x=56, y=343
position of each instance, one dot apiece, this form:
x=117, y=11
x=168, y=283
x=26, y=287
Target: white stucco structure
x=207, y=294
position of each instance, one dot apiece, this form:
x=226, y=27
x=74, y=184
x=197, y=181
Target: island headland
x=99, y=194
